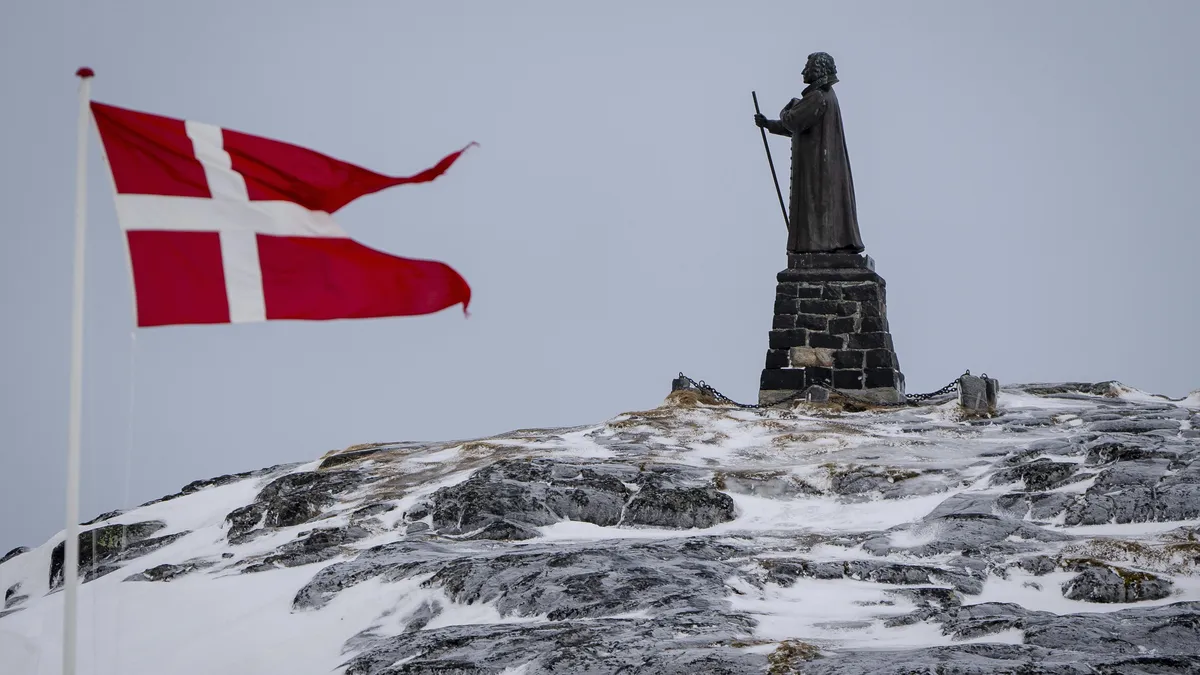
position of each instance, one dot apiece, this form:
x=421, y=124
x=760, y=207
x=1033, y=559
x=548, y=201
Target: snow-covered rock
x=1060, y=536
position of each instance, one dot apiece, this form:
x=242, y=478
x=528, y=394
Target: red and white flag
x=224, y=227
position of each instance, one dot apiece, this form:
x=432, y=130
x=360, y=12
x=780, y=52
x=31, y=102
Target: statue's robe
x=822, y=215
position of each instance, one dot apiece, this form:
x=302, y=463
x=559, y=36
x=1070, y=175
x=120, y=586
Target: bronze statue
x=823, y=217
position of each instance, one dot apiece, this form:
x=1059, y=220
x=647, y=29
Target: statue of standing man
x=822, y=216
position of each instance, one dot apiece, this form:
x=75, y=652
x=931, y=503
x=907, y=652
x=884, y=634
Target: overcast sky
x=1026, y=177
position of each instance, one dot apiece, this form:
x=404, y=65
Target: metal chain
x=909, y=399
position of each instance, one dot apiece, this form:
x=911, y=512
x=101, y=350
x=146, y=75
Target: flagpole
x=71, y=544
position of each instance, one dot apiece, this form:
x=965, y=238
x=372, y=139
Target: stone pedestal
x=831, y=330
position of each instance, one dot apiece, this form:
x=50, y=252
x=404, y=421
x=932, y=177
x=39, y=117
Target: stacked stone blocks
x=830, y=329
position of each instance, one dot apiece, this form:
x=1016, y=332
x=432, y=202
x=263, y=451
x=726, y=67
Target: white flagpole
x=71, y=547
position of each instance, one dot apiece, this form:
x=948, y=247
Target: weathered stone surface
x=826, y=341
x=817, y=394
x=525, y=495
x=1104, y=583
x=1135, y=426
x=681, y=644
x=777, y=358
x=801, y=357
x=861, y=529
x=772, y=484
x=102, y=549
x=871, y=341
x=812, y=322
x=310, y=547
x=829, y=307
x=788, y=338
x=880, y=358
x=768, y=397
x=13, y=596
x=1138, y=491
x=848, y=359
x=827, y=275
x=14, y=553
x=198, y=485
x=830, y=261
x=1037, y=565
x=977, y=395
x=880, y=377
x=293, y=499
x=818, y=376
x=848, y=379
x=1091, y=388
x=843, y=325
x=787, y=379
x=1038, y=475
x=656, y=506
x=785, y=571
x=168, y=572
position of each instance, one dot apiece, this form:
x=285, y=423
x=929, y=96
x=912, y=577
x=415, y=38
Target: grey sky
x=1026, y=177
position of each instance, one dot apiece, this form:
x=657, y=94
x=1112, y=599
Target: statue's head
x=819, y=67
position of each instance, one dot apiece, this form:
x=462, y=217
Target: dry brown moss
x=788, y=657
x=690, y=398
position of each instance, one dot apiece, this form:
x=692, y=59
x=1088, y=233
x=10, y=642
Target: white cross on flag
x=224, y=227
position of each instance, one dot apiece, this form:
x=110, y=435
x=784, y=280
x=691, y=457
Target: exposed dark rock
x=1039, y=506
x=1092, y=388
x=311, y=547
x=353, y=455
x=532, y=493
x=1037, y=565
x=1130, y=426
x=103, y=548
x=1165, y=630
x=12, y=596
x=778, y=484
x=970, y=534
x=785, y=571
x=1109, y=451
x=198, y=485
x=969, y=659
x=503, y=530
x=103, y=517
x=557, y=580
x=680, y=508
x=372, y=510
x=519, y=495
x=14, y=553
x=1106, y=583
x=684, y=643
x=292, y=499
x=1038, y=475
x=1138, y=491
x=167, y=572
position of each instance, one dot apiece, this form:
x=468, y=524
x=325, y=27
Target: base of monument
x=830, y=329
x=881, y=395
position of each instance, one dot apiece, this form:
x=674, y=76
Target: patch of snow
x=912, y=537
x=846, y=612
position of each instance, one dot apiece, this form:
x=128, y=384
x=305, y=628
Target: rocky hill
x=1059, y=536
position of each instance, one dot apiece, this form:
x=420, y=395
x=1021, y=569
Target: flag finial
x=84, y=73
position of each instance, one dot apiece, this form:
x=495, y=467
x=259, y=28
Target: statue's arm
x=776, y=127
x=803, y=113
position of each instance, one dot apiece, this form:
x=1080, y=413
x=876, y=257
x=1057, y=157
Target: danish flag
x=224, y=227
